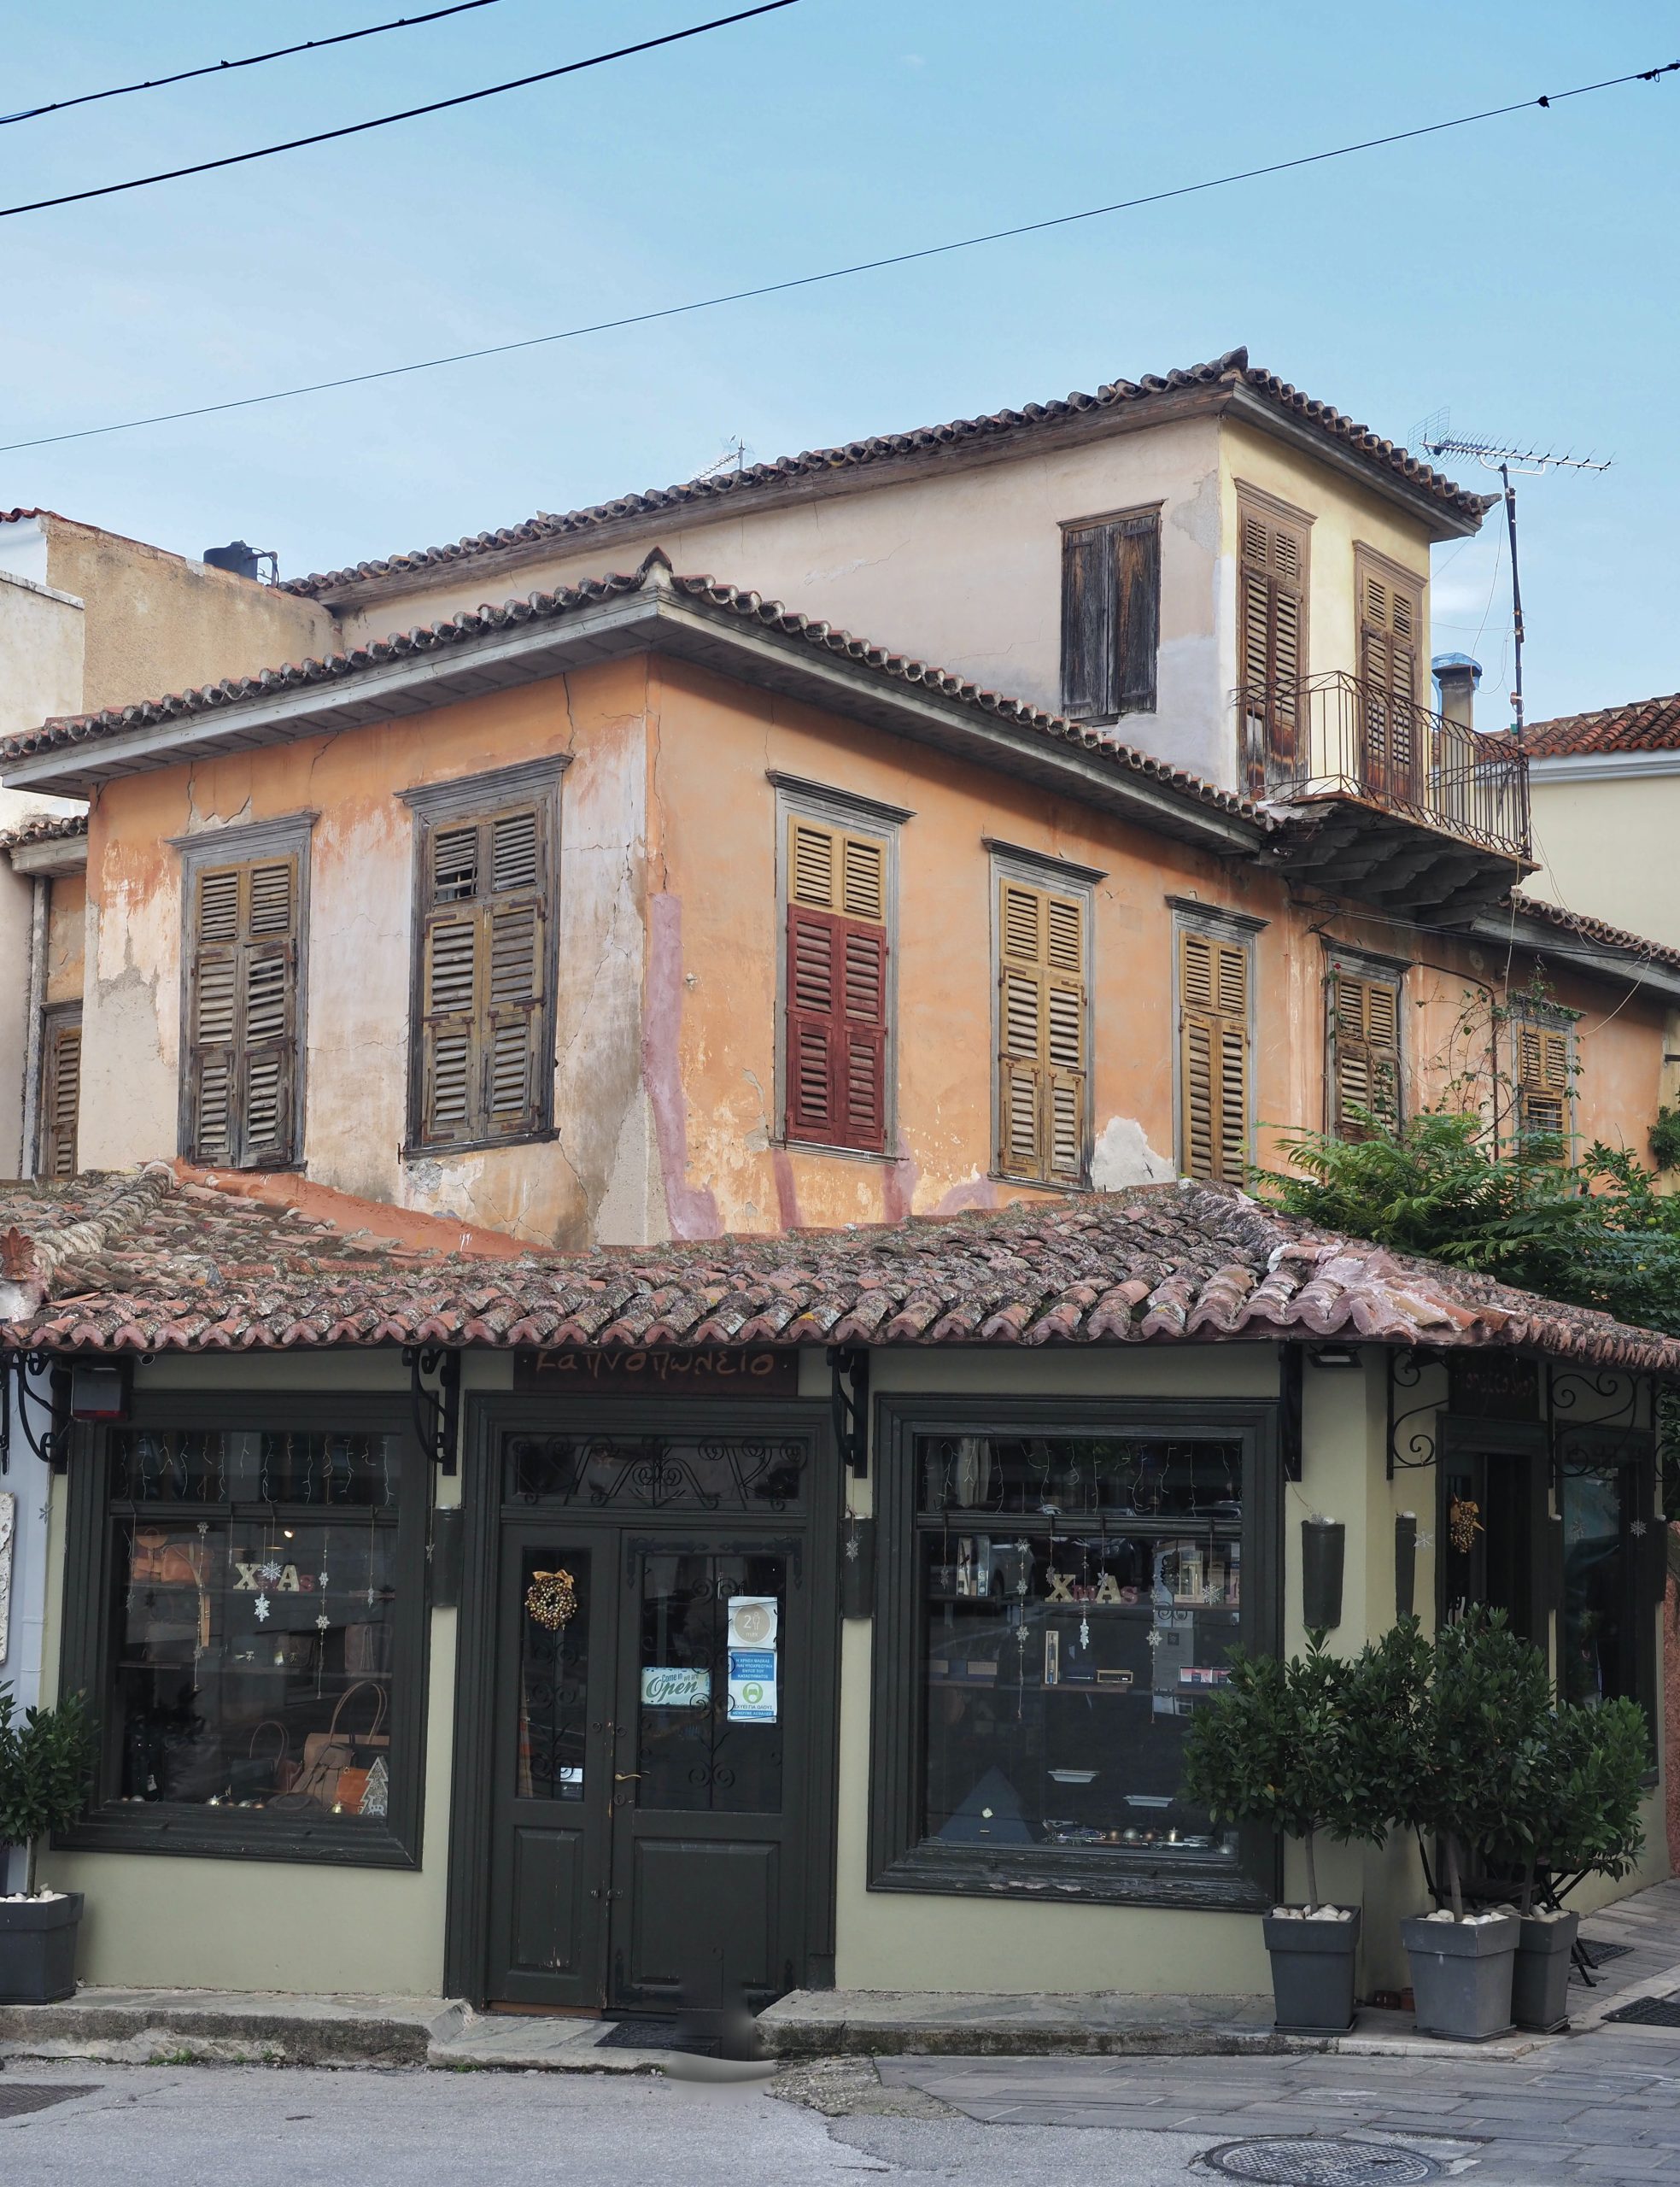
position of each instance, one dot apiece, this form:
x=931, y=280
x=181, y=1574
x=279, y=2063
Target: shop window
x=1071, y=1598
x=1614, y=1567
x=250, y=1636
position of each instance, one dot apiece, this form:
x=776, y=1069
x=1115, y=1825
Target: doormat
x=1599, y=1954
x=16, y=2101
x=642, y=2035
x=1649, y=2012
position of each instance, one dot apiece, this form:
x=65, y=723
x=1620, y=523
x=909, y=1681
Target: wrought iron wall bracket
x=50, y=1441
x=1412, y=1442
x=1291, y=1431
x=437, y=1411
x=849, y=1367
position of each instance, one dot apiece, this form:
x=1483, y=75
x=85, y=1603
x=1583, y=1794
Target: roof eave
x=653, y=620
x=1437, y=517
x=50, y=859
x=1502, y=927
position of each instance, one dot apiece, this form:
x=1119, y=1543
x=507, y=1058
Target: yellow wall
x=1607, y=848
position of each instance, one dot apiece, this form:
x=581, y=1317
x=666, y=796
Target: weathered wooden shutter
x=836, y=992
x=1364, y=1054
x=1543, y=1079
x=1041, y=1027
x=1214, y=1055
x=1391, y=618
x=61, y=1097
x=1110, y=616
x=484, y=979
x=1272, y=619
x=243, y=1014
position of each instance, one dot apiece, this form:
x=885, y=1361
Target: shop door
x=648, y=1806
x=707, y=1821
x=1493, y=1531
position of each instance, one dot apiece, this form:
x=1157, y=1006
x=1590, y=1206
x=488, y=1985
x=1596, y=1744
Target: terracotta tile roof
x=732, y=600
x=1641, y=725
x=1232, y=369
x=1595, y=930
x=44, y=828
x=147, y=1262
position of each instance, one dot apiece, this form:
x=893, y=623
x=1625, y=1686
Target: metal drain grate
x=1600, y=1954
x=18, y=2099
x=1649, y=2012
x=642, y=2035
x=1315, y=2162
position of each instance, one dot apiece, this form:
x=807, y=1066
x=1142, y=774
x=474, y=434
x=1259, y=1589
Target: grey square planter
x=1461, y=1975
x=1313, y=1974
x=38, y=1949
x=1540, y=1989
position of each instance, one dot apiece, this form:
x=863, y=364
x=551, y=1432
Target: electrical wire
x=249, y=60
x=408, y=113
x=814, y=280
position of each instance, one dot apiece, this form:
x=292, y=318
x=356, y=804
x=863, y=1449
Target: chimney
x=1457, y=677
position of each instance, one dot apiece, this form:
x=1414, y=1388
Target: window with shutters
x=482, y=1043
x=1215, y=981
x=1362, y=1045
x=61, y=1091
x=1393, y=724
x=1110, y=615
x=1544, y=1079
x=1272, y=640
x=1042, y=945
x=837, y=1002
x=243, y=1082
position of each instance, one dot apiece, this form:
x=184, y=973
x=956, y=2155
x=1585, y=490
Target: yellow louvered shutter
x=1364, y=1054
x=1213, y=1056
x=60, y=1096
x=1041, y=1033
x=835, y=1017
x=243, y=1014
x=1272, y=630
x=1542, y=1080
x=482, y=1072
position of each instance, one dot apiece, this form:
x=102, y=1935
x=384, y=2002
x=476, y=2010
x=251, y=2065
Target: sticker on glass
x=752, y=1685
x=752, y=1622
x=675, y=1686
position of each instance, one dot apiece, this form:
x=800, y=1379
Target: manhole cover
x=1321, y=2163
x=24, y=2096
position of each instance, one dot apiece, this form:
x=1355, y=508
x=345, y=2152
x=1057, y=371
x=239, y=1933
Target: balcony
x=1388, y=801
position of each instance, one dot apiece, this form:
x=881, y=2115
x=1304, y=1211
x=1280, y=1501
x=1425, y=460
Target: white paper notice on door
x=752, y=1685
x=752, y=1622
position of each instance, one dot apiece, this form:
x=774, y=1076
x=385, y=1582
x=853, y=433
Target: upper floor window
x=1390, y=668
x=60, y=1090
x=1362, y=1040
x=1272, y=635
x=1110, y=615
x=1042, y=944
x=243, y=1085
x=482, y=1040
x=1542, y=1070
x=837, y=885
x=1215, y=986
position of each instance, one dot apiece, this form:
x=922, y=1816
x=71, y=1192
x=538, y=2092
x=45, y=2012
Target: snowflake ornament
x=1155, y=1636
x=270, y=1571
x=322, y=1622
x=260, y=1606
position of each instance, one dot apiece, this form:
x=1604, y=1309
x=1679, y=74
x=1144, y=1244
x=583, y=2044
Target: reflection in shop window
x=1081, y=1595
x=255, y=1581
x=1597, y=1661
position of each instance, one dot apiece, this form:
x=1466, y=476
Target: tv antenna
x=734, y=458
x=1435, y=436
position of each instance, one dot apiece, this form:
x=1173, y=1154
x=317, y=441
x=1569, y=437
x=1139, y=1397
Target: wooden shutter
x=837, y=981
x=1041, y=1029
x=1364, y=1054
x=1390, y=621
x=61, y=1097
x=1111, y=616
x=1214, y=1056
x=243, y=1014
x=1543, y=1079
x=483, y=1003
x=1271, y=626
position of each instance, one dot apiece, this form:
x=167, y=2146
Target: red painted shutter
x=859, y=1101
x=815, y=943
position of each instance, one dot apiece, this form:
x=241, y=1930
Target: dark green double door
x=647, y=1817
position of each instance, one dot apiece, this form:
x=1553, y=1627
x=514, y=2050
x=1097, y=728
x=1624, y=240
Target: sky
x=1520, y=274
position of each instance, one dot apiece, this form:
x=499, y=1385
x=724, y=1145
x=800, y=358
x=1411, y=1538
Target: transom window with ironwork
x=682, y=1473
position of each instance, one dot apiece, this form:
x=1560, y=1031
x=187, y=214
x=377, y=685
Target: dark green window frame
x=899, y=1859
x=1644, y=1545
x=111, y=1826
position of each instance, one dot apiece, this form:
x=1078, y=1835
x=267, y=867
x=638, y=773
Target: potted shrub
x=1279, y=1748
x=45, y=1761
x=1479, y=1742
x=1580, y=1817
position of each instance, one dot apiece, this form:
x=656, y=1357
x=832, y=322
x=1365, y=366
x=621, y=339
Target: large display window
x=1061, y=1592
x=244, y=1610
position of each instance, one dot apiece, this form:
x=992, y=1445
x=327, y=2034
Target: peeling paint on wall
x=1122, y=1155
x=691, y=1210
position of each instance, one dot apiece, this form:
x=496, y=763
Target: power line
x=409, y=114
x=833, y=273
x=250, y=60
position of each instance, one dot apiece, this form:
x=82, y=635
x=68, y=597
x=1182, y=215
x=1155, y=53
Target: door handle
x=623, y=1776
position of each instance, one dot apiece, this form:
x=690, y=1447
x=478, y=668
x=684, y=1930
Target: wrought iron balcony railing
x=1332, y=735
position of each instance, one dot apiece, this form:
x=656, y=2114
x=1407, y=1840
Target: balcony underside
x=1349, y=847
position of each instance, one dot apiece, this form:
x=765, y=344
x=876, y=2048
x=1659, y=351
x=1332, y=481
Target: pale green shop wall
x=156, y=1921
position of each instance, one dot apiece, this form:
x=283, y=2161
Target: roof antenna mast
x=1527, y=463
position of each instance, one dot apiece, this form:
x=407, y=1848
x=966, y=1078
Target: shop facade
x=554, y=1675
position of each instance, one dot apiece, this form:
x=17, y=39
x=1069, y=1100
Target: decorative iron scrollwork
x=1605, y=1403
x=19, y=1372
x=655, y=1473
x=1412, y=1441
x=437, y=1411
